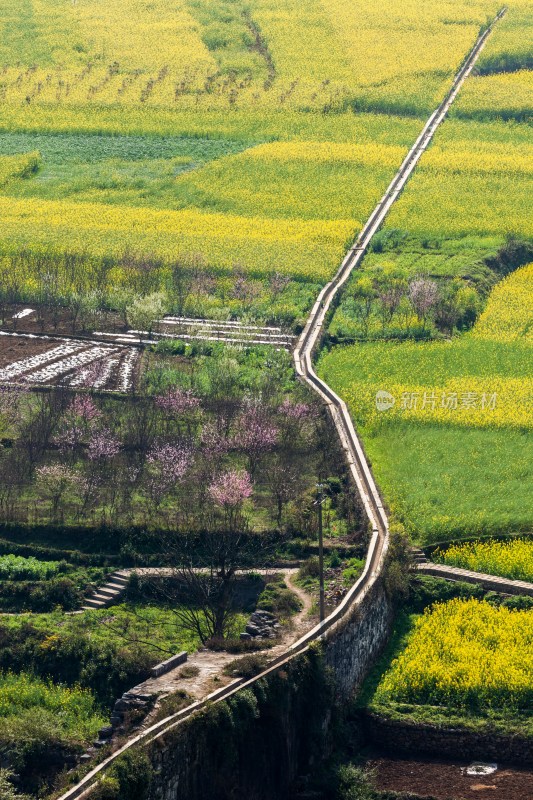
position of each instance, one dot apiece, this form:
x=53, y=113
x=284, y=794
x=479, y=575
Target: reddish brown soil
x=13, y=348
x=444, y=780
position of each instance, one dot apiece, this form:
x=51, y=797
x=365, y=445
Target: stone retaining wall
x=354, y=644
x=252, y=745
x=409, y=738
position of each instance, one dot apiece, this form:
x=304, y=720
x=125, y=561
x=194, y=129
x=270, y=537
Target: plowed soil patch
x=445, y=780
x=13, y=348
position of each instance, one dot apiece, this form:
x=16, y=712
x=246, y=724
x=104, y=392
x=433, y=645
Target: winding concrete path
x=352, y=446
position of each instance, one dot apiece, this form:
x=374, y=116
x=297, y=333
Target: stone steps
x=419, y=557
x=110, y=592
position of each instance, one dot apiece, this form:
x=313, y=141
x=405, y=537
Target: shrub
x=238, y=645
x=311, y=569
x=172, y=704
x=107, y=788
x=424, y=590
x=519, y=603
x=134, y=588
x=277, y=598
x=14, y=567
x=353, y=784
x=353, y=570
x=40, y=596
x=247, y=666
x=134, y=772
x=189, y=671
x=7, y=790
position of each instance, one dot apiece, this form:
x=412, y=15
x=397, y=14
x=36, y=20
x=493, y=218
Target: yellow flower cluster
x=491, y=402
x=465, y=653
x=18, y=166
x=475, y=180
x=483, y=158
x=310, y=249
x=509, y=313
x=506, y=95
x=329, y=152
x=159, y=54
x=510, y=559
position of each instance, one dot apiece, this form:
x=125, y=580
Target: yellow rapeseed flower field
x=310, y=54
x=475, y=180
x=511, y=559
x=465, y=654
x=482, y=379
x=310, y=249
x=508, y=316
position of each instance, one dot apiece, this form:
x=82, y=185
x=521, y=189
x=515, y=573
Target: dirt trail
x=210, y=664
x=302, y=621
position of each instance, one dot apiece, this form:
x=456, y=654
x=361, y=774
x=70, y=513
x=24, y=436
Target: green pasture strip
x=238, y=125
x=445, y=482
x=72, y=148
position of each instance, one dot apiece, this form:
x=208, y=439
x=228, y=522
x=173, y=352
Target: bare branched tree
x=201, y=575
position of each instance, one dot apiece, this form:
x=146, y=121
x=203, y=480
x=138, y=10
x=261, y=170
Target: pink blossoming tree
x=256, y=435
x=228, y=491
x=169, y=463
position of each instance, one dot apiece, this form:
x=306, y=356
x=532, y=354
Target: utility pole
x=320, y=500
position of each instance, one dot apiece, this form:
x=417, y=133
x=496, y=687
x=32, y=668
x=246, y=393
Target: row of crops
x=252, y=208
x=318, y=55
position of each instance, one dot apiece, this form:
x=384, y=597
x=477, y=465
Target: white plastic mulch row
x=224, y=333
x=84, y=377
x=24, y=313
x=188, y=321
x=205, y=338
x=42, y=336
x=67, y=364
x=126, y=370
x=116, y=362
x=31, y=362
x=108, y=370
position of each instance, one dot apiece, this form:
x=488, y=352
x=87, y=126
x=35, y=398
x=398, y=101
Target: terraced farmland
x=179, y=183
x=240, y=80
x=442, y=314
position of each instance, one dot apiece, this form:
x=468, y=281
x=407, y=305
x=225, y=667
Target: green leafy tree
x=144, y=312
